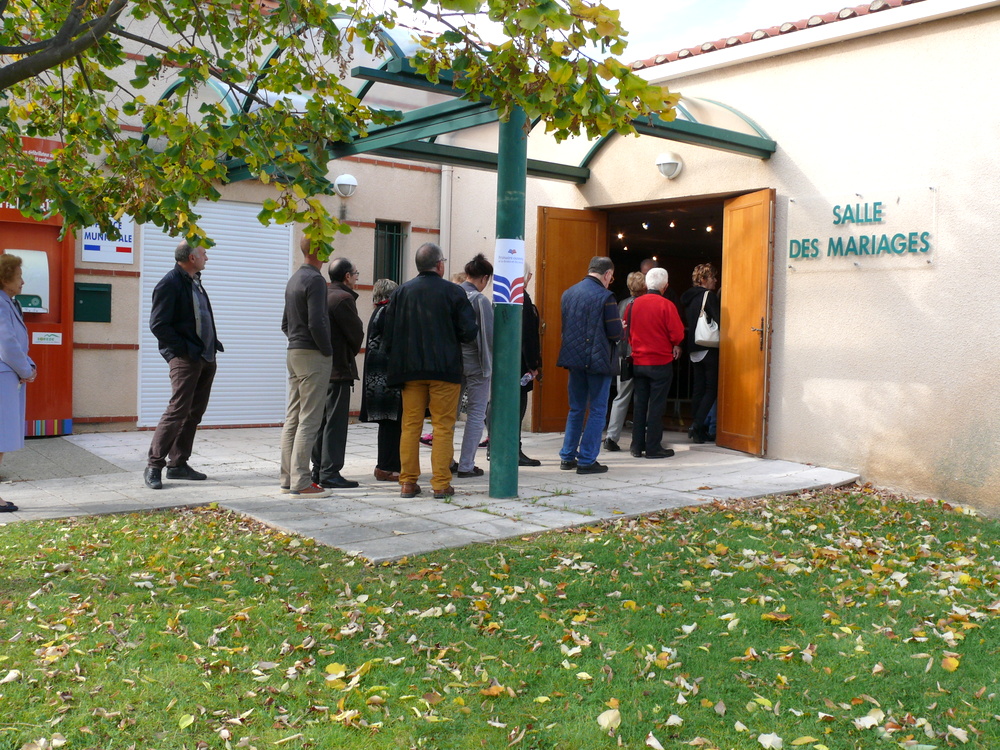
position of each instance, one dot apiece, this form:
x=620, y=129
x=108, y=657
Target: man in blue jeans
x=591, y=327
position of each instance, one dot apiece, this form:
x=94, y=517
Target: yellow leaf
x=776, y=617
x=630, y=605
x=493, y=690
x=336, y=670
x=804, y=740
x=542, y=699
x=949, y=663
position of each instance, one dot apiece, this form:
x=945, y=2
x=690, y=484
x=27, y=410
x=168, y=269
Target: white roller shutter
x=245, y=279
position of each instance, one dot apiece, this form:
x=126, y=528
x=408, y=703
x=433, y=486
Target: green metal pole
x=505, y=427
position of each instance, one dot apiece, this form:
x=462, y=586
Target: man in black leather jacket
x=427, y=321
x=182, y=321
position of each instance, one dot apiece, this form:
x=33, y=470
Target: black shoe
x=338, y=483
x=7, y=507
x=454, y=467
x=662, y=453
x=476, y=472
x=594, y=468
x=611, y=445
x=183, y=472
x=635, y=453
x=567, y=465
x=151, y=476
x=523, y=460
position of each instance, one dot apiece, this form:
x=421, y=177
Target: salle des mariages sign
x=901, y=225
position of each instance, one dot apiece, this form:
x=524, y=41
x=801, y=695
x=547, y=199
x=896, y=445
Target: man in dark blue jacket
x=182, y=321
x=591, y=327
x=427, y=321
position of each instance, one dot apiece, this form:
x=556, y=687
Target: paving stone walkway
x=102, y=473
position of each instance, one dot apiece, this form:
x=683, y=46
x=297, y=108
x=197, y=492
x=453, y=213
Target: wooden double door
x=567, y=239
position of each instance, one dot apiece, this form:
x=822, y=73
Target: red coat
x=655, y=329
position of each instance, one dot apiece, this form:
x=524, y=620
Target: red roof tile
x=788, y=27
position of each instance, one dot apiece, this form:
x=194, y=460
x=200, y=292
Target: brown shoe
x=409, y=489
x=445, y=493
x=386, y=476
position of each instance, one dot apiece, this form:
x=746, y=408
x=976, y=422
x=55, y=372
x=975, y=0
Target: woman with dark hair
x=379, y=402
x=16, y=367
x=704, y=360
x=477, y=362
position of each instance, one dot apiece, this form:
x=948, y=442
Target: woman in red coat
x=656, y=332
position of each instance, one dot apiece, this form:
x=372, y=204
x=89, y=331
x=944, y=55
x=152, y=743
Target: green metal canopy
x=414, y=135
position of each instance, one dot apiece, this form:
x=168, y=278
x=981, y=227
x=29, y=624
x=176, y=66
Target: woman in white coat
x=16, y=367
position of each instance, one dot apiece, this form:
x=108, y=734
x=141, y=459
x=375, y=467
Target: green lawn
x=842, y=619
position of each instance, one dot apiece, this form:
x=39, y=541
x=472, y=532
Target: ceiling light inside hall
x=625, y=248
x=621, y=236
x=708, y=228
x=672, y=225
x=645, y=225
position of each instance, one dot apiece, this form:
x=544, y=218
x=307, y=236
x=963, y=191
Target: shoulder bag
x=627, y=367
x=706, y=332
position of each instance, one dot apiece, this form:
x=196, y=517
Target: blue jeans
x=583, y=430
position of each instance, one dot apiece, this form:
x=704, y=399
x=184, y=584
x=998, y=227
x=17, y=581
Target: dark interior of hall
x=679, y=237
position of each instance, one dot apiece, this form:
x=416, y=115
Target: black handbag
x=627, y=369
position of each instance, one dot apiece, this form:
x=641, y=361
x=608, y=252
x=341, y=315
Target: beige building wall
x=881, y=365
x=388, y=190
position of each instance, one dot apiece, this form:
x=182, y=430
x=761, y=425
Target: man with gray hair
x=590, y=328
x=182, y=321
x=346, y=336
x=427, y=321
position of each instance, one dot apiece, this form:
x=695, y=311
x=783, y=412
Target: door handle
x=760, y=333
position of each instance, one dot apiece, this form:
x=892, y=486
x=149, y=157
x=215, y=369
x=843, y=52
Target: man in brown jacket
x=346, y=337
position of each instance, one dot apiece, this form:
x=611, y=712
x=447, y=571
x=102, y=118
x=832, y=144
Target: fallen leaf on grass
x=772, y=741
x=949, y=663
x=652, y=742
x=776, y=617
x=803, y=741
x=610, y=719
x=959, y=734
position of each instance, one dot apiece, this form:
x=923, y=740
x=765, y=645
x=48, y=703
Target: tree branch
x=214, y=72
x=56, y=54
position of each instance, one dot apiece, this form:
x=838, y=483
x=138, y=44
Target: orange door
x=50, y=342
x=567, y=240
x=747, y=244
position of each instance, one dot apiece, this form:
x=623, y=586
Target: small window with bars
x=389, y=236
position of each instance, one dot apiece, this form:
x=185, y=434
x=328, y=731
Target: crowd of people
x=428, y=351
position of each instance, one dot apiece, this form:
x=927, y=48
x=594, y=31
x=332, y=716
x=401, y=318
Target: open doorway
x=678, y=236
x=740, y=243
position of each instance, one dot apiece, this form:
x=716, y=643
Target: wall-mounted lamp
x=345, y=185
x=669, y=164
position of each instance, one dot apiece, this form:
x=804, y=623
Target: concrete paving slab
x=372, y=519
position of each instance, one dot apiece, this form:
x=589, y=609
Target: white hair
x=656, y=279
